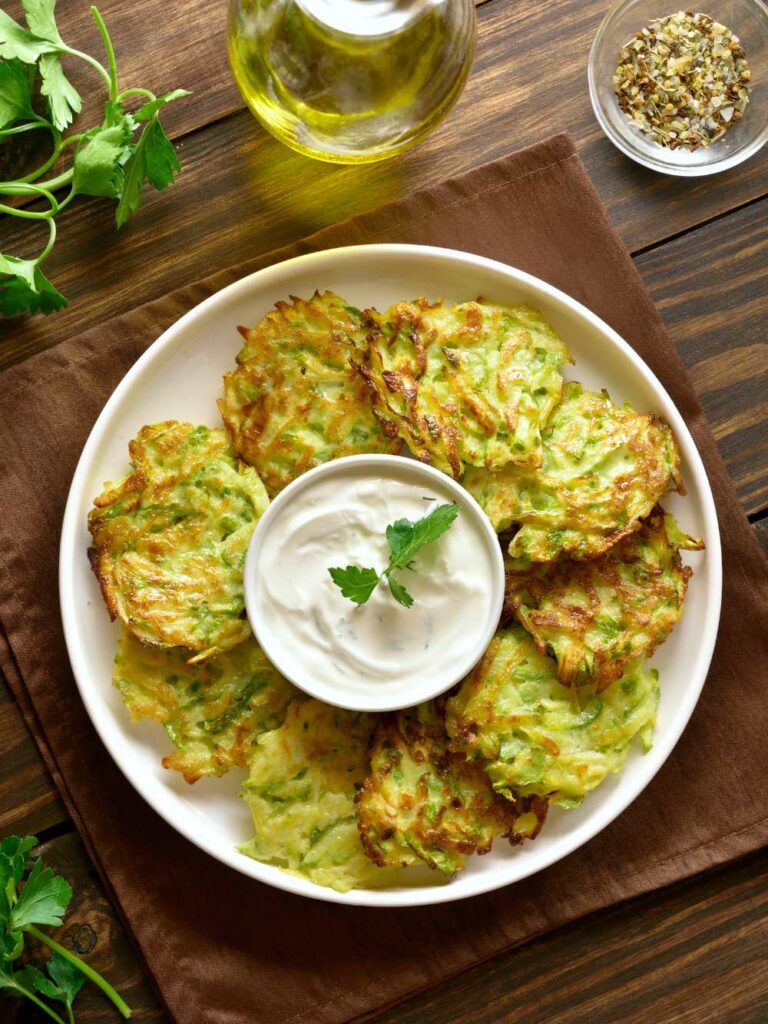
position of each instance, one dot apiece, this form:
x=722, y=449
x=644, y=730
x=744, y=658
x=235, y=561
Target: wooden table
x=691, y=954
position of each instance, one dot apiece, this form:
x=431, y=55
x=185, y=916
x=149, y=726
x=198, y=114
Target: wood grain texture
x=29, y=802
x=690, y=954
x=241, y=192
x=710, y=288
x=762, y=534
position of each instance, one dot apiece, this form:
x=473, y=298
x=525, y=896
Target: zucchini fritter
x=466, y=385
x=597, y=616
x=213, y=712
x=423, y=802
x=301, y=792
x=169, y=540
x=605, y=467
x=294, y=400
x=538, y=738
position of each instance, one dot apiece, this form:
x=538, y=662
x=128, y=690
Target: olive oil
x=350, y=81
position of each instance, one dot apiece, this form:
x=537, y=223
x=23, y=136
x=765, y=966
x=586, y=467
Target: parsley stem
x=93, y=62
x=67, y=199
x=59, y=181
x=25, y=188
x=51, y=240
x=127, y=93
x=43, y=1006
x=89, y=972
x=28, y=126
x=113, y=91
x=57, y=146
x=14, y=211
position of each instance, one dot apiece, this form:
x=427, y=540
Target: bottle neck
x=366, y=17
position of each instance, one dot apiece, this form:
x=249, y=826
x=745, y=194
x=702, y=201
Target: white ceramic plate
x=179, y=377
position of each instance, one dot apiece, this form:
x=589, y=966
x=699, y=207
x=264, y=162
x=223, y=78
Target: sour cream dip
x=379, y=655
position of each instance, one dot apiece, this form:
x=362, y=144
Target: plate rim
x=427, y=895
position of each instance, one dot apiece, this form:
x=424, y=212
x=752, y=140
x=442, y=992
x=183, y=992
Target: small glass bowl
x=748, y=19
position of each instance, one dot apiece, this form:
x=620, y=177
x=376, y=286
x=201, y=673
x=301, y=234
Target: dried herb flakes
x=683, y=80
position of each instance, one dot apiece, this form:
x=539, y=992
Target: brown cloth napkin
x=224, y=949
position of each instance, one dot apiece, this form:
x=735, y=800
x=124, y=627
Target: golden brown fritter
x=536, y=737
x=294, y=400
x=213, y=712
x=424, y=802
x=465, y=385
x=597, y=616
x=301, y=793
x=169, y=540
x=605, y=467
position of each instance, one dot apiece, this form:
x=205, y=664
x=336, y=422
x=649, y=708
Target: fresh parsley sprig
x=405, y=539
x=31, y=896
x=108, y=160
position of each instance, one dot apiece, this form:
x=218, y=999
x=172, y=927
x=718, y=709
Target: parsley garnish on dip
x=405, y=539
x=341, y=633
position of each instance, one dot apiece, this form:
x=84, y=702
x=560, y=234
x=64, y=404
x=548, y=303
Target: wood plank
x=762, y=534
x=689, y=954
x=29, y=802
x=709, y=287
x=241, y=192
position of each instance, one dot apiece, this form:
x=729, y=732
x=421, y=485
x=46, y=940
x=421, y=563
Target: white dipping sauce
x=348, y=651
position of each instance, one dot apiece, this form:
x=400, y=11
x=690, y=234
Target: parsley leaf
x=64, y=100
x=25, y=982
x=398, y=591
x=355, y=583
x=154, y=160
x=24, y=288
x=65, y=980
x=41, y=19
x=16, y=41
x=98, y=163
x=43, y=900
x=15, y=92
x=13, y=857
x=405, y=539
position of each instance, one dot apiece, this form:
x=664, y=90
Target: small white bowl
x=401, y=688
